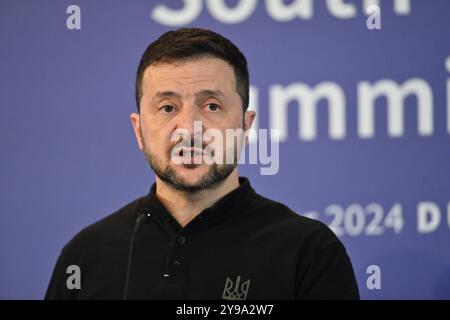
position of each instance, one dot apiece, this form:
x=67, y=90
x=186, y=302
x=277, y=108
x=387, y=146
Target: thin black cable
x=139, y=220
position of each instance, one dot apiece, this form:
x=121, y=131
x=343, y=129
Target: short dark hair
x=191, y=43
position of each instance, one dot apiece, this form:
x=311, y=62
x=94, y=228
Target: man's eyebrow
x=165, y=94
x=211, y=93
x=203, y=93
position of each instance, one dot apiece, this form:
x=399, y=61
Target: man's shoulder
x=115, y=227
x=282, y=217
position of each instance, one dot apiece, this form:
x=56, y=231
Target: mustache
x=188, y=143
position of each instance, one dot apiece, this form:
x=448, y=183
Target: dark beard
x=215, y=175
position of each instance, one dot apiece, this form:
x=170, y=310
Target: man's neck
x=185, y=206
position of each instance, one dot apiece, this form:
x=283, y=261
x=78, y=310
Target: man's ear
x=249, y=117
x=135, y=121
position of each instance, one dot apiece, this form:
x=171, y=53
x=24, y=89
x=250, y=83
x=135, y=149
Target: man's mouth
x=187, y=155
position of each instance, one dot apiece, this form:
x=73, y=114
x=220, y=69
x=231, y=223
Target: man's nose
x=190, y=119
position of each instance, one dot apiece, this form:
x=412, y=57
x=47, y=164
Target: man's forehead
x=206, y=73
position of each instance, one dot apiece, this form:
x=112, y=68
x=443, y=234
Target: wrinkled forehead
x=191, y=75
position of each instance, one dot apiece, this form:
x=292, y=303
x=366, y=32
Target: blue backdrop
x=69, y=156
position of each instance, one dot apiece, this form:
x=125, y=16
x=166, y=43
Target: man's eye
x=213, y=107
x=168, y=108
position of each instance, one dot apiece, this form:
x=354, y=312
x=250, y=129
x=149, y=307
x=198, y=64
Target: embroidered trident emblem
x=235, y=291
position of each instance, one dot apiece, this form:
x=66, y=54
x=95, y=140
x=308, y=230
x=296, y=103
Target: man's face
x=174, y=95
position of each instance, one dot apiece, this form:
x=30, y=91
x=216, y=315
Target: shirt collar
x=235, y=201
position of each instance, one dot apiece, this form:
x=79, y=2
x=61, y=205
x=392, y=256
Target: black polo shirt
x=245, y=246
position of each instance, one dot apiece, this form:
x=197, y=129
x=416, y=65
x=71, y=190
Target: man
x=202, y=232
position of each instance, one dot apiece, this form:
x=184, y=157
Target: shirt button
x=176, y=263
x=181, y=240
